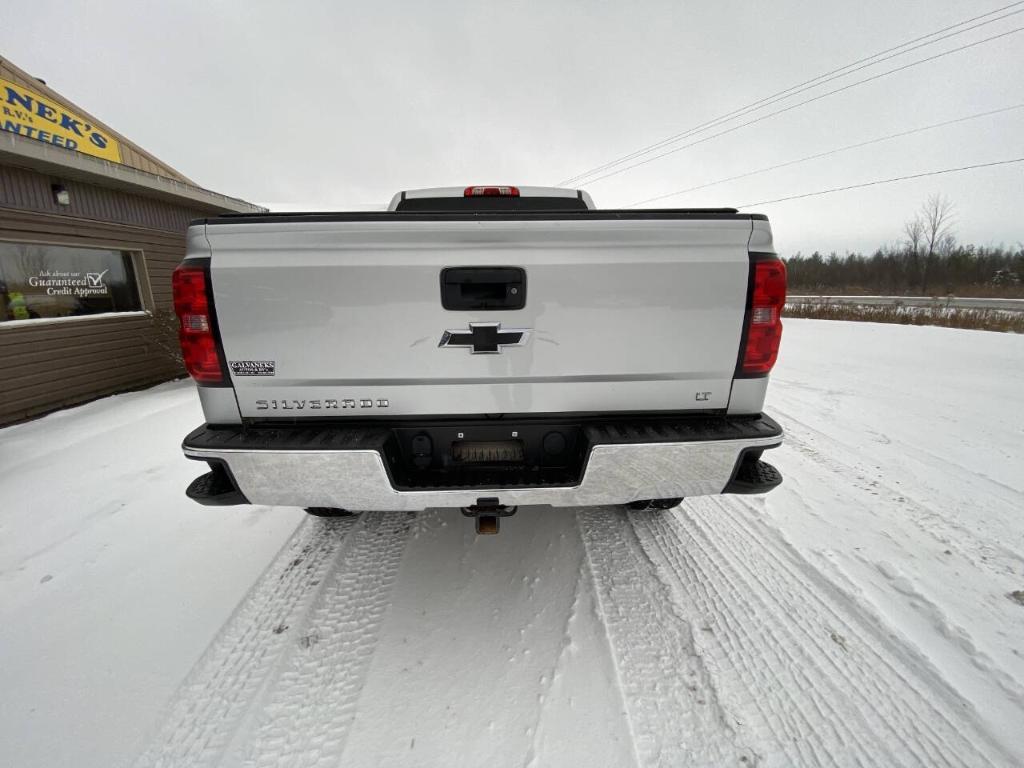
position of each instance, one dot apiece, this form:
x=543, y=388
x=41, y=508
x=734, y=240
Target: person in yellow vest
x=17, y=307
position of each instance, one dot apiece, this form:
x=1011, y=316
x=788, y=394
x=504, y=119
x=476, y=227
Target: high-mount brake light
x=190, y=286
x=491, y=192
x=764, y=328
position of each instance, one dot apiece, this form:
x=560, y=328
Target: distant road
x=1007, y=305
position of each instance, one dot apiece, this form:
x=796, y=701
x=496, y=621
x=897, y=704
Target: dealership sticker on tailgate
x=252, y=367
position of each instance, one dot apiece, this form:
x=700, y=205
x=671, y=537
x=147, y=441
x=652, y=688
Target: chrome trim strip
x=485, y=379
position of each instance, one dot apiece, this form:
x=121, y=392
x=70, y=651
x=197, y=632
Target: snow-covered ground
x=859, y=615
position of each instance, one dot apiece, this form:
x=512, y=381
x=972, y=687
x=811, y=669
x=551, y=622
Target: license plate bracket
x=488, y=452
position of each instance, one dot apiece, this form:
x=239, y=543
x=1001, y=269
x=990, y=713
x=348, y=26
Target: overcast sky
x=337, y=105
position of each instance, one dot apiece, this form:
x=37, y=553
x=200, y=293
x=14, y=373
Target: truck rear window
x=484, y=204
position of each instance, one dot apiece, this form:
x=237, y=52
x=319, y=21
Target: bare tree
x=31, y=260
x=914, y=230
x=161, y=338
x=946, y=245
x=937, y=218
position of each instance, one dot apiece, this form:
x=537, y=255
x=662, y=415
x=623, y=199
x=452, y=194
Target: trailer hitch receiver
x=487, y=512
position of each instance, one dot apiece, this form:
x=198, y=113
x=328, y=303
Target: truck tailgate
x=344, y=318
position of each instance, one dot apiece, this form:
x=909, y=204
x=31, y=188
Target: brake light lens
x=764, y=331
x=192, y=306
x=491, y=192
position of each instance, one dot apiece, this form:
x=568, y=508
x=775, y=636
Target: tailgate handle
x=483, y=288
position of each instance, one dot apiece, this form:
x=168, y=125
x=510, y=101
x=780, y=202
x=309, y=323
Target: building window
x=49, y=281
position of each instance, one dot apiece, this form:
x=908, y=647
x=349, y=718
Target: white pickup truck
x=481, y=348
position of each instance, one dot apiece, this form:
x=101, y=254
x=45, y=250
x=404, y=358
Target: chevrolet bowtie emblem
x=484, y=338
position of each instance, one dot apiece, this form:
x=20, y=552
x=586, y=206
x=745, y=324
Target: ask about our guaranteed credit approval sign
x=28, y=114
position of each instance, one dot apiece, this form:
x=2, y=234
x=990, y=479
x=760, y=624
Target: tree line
x=927, y=261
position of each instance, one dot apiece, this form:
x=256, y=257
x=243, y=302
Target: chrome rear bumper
x=295, y=472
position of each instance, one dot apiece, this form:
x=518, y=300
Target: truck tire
x=328, y=512
x=651, y=505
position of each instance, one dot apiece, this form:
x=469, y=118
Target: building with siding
x=91, y=227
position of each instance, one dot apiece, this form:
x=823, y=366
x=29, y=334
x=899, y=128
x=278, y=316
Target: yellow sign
x=28, y=114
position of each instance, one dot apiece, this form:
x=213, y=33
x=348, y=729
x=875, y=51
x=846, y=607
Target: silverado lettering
x=297, y=405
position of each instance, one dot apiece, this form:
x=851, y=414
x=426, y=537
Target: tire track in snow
x=213, y=701
x=307, y=717
x=933, y=610
x=812, y=682
x=549, y=682
x=984, y=547
x=672, y=705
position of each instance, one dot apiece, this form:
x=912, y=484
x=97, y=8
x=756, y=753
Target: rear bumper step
x=216, y=488
x=413, y=467
x=753, y=476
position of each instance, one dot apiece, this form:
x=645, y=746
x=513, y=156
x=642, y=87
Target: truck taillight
x=192, y=305
x=764, y=323
x=491, y=192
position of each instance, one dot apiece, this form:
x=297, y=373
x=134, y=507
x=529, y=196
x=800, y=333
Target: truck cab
x=482, y=198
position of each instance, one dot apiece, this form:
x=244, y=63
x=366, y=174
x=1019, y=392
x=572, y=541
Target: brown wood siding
x=49, y=365
x=29, y=190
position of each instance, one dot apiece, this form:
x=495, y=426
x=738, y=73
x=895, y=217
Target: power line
x=768, y=101
x=800, y=88
x=797, y=90
x=802, y=103
x=804, y=86
x=884, y=181
x=820, y=155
